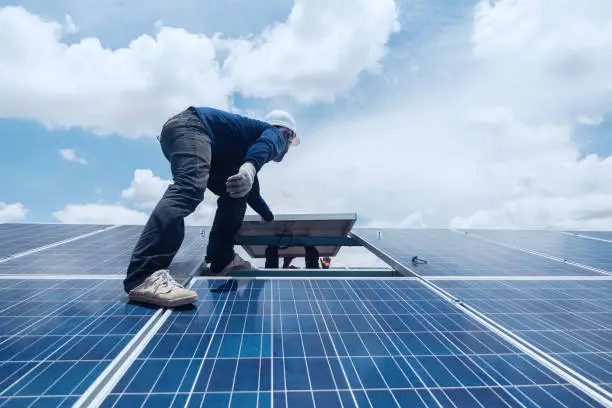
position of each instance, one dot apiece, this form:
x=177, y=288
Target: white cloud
x=100, y=214
x=70, y=26
x=70, y=155
x=12, y=212
x=132, y=91
x=129, y=90
x=317, y=53
x=492, y=144
x=590, y=120
x=146, y=188
x=482, y=136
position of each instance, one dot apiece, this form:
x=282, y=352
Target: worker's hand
x=240, y=183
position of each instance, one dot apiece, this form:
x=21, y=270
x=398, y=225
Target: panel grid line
x=443, y=334
x=205, y=355
x=25, y=244
x=310, y=282
x=580, y=381
x=391, y=342
x=561, y=260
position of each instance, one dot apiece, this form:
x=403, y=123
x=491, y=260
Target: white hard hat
x=283, y=118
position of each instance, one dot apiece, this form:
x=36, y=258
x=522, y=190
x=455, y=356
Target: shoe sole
x=165, y=303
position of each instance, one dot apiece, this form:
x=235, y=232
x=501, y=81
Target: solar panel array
x=568, y=247
x=450, y=253
x=492, y=319
x=58, y=335
x=18, y=238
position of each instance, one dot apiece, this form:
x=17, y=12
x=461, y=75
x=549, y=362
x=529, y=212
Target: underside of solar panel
x=456, y=318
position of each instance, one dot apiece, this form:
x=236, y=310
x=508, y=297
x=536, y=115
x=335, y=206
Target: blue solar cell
x=287, y=343
x=449, y=253
x=106, y=253
x=17, y=238
x=597, y=254
x=59, y=335
x=570, y=320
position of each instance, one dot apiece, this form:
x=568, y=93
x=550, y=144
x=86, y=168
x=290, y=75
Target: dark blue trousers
x=187, y=147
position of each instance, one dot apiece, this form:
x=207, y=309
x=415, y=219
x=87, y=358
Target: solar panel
x=606, y=235
x=589, y=252
x=324, y=342
x=17, y=238
x=106, y=253
x=58, y=335
x=292, y=225
x=450, y=253
x=569, y=319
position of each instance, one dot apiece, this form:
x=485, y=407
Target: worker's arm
x=271, y=145
x=257, y=203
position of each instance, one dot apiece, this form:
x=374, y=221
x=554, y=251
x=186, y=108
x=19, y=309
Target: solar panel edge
x=98, y=391
x=591, y=389
x=384, y=256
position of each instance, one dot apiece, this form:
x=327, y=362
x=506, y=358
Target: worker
x=214, y=149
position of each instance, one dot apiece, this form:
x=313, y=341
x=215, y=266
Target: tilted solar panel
x=327, y=343
x=58, y=335
x=588, y=252
x=571, y=320
x=17, y=238
x=450, y=253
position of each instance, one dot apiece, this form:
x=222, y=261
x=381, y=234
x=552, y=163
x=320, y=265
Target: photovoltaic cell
x=106, y=253
x=449, y=253
x=589, y=252
x=328, y=343
x=569, y=319
x=17, y=238
x=58, y=335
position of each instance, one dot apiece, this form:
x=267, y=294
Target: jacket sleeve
x=270, y=145
x=257, y=203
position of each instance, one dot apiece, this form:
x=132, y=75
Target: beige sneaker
x=162, y=290
x=237, y=264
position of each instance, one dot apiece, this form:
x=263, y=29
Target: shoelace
x=166, y=281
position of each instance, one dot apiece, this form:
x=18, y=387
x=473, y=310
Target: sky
x=412, y=113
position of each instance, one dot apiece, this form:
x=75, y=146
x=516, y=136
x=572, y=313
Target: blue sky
x=432, y=52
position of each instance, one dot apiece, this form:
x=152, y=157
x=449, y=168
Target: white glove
x=241, y=183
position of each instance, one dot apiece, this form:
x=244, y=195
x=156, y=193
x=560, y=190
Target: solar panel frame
x=218, y=337
x=449, y=253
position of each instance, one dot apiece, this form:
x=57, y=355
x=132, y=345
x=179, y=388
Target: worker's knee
x=185, y=195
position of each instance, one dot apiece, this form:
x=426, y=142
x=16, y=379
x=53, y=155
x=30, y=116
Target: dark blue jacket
x=236, y=140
